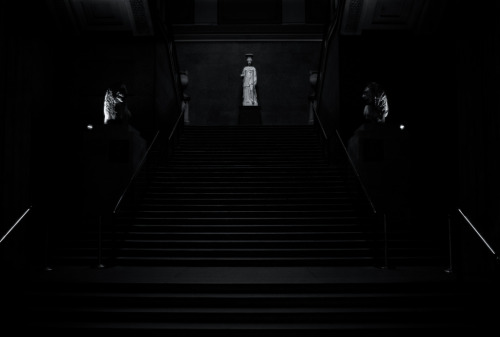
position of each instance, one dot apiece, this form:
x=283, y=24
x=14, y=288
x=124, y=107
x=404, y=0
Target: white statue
x=115, y=105
x=249, y=75
x=377, y=107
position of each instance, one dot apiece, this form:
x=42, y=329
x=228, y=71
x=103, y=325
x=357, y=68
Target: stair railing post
x=386, y=259
x=450, y=267
x=47, y=266
x=99, y=244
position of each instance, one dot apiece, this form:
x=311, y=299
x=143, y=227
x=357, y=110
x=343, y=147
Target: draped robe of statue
x=249, y=75
x=377, y=107
x=115, y=105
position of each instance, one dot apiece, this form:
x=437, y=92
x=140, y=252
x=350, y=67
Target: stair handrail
x=332, y=28
x=325, y=136
x=176, y=125
x=166, y=33
x=483, y=240
x=370, y=201
x=168, y=40
x=478, y=235
x=136, y=172
x=18, y=221
x=356, y=173
x=485, y=243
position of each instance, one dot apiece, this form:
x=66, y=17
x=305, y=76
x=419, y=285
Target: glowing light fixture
x=90, y=127
x=402, y=126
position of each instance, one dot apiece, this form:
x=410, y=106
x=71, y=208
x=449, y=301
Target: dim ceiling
x=133, y=17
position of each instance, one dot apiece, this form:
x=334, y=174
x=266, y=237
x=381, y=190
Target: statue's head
x=117, y=92
x=371, y=90
x=249, y=58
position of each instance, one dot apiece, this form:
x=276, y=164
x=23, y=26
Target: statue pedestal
x=250, y=115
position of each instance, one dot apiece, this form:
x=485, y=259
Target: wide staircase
x=249, y=195
x=247, y=231
x=242, y=196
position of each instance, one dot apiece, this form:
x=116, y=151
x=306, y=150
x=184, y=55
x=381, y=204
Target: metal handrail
x=478, y=234
x=370, y=201
x=137, y=170
x=15, y=224
x=120, y=200
x=334, y=25
x=319, y=122
x=168, y=39
x=372, y=205
x=174, y=128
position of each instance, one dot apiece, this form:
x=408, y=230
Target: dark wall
x=249, y=11
x=215, y=85
x=478, y=70
x=479, y=128
x=54, y=85
x=26, y=91
x=243, y=12
x=23, y=91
